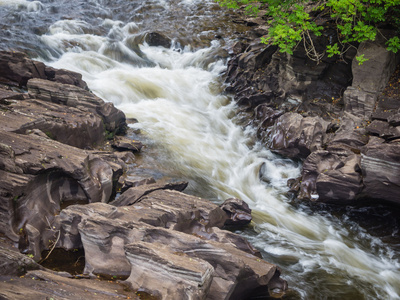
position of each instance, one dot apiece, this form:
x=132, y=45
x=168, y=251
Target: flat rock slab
x=49, y=285
x=135, y=193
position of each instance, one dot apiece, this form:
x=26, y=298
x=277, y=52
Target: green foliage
x=293, y=21
x=361, y=59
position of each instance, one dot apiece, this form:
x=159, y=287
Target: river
x=192, y=131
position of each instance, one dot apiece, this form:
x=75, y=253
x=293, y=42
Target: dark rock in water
x=238, y=212
x=380, y=164
x=331, y=177
x=65, y=77
x=157, y=39
x=125, y=144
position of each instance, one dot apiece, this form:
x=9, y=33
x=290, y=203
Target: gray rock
x=330, y=177
x=40, y=284
x=380, y=163
x=73, y=96
x=238, y=212
x=358, y=102
x=295, y=136
x=373, y=75
x=168, y=237
x=39, y=177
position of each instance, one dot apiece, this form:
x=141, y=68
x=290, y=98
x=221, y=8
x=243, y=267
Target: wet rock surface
x=337, y=116
x=64, y=185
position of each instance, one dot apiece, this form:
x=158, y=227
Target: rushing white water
x=176, y=96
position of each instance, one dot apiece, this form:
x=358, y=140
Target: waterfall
x=177, y=96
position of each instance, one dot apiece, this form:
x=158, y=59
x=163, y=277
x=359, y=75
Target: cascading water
x=176, y=95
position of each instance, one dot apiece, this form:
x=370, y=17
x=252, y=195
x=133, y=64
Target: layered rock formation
x=328, y=114
x=59, y=191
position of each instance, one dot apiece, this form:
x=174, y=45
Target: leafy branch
x=293, y=21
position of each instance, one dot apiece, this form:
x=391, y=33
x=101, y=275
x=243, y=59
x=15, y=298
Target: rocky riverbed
x=63, y=161
x=163, y=63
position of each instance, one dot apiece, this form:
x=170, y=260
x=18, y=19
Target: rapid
x=193, y=131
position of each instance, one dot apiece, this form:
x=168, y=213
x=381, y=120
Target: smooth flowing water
x=192, y=127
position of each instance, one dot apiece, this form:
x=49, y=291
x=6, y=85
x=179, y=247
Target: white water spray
x=179, y=105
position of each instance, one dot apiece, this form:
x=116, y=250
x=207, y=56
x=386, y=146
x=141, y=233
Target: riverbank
x=58, y=192
x=192, y=130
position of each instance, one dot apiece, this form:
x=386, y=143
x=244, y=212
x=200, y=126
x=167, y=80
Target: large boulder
x=73, y=96
x=331, y=177
x=369, y=78
x=16, y=69
x=170, y=237
x=68, y=125
x=380, y=163
x=294, y=136
x=39, y=177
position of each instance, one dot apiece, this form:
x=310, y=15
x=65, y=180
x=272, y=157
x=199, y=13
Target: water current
x=192, y=131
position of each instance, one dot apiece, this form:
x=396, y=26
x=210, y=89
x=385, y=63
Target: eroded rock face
x=331, y=177
x=170, y=237
x=38, y=177
x=295, y=136
x=381, y=170
x=369, y=78
x=73, y=96
x=16, y=69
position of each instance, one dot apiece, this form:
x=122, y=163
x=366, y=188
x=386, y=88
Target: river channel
x=193, y=132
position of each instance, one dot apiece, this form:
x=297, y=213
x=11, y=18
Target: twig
x=54, y=245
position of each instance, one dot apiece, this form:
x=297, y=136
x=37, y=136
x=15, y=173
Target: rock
x=331, y=177
x=73, y=96
x=370, y=77
x=129, y=182
x=136, y=192
x=68, y=125
x=41, y=284
x=383, y=130
x=238, y=212
x=65, y=77
x=167, y=233
x=16, y=68
x=348, y=134
x=15, y=263
x=157, y=39
x=296, y=137
x=125, y=144
x=39, y=177
x=10, y=95
x=358, y=102
x=380, y=163
x=374, y=74
x=182, y=277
